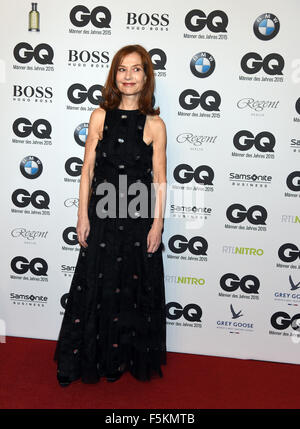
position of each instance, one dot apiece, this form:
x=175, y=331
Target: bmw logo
x=266, y=26
x=31, y=167
x=80, y=134
x=202, y=64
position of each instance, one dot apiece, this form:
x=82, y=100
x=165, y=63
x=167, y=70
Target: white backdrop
x=232, y=223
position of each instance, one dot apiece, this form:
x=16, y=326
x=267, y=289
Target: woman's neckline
x=125, y=110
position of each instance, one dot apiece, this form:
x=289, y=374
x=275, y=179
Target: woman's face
x=130, y=77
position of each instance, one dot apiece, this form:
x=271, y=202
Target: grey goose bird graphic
x=234, y=314
x=293, y=285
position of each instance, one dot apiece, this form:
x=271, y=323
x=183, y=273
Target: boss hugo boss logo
x=289, y=252
x=245, y=140
x=40, y=128
x=38, y=93
x=31, y=167
x=282, y=320
x=216, y=21
x=203, y=174
x=42, y=53
x=141, y=21
x=99, y=17
x=70, y=236
x=196, y=245
x=78, y=94
x=272, y=64
x=266, y=26
x=158, y=58
x=37, y=266
x=73, y=166
x=209, y=100
x=256, y=215
x=293, y=181
x=249, y=284
x=39, y=199
x=202, y=64
x=94, y=58
x=191, y=312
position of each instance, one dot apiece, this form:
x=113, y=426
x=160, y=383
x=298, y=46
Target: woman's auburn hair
x=111, y=94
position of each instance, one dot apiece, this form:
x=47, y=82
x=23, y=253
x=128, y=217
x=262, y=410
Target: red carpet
x=28, y=381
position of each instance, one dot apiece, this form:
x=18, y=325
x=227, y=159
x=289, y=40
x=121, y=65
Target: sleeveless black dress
x=115, y=317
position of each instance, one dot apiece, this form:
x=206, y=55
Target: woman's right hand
x=83, y=230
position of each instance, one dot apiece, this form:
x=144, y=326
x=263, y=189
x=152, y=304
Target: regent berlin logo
x=266, y=26
x=202, y=64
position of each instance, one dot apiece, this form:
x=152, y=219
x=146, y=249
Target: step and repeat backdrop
x=228, y=85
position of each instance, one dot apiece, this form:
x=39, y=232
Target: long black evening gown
x=115, y=316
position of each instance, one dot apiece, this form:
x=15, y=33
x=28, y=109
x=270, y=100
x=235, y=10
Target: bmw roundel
x=31, y=167
x=202, y=64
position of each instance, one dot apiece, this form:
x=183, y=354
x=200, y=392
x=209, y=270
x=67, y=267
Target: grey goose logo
x=293, y=285
x=234, y=314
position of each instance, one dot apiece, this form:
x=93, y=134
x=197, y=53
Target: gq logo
x=282, y=320
x=37, y=266
x=40, y=128
x=272, y=64
x=77, y=94
x=256, y=215
x=64, y=300
x=231, y=282
x=202, y=64
x=210, y=100
x=70, y=236
x=39, y=199
x=196, y=245
x=293, y=181
x=288, y=252
x=100, y=16
x=191, y=312
x=216, y=21
x=42, y=53
x=158, y=58
x=203, y=174
x=263, y=142
x=73, y=166
x=266, y=26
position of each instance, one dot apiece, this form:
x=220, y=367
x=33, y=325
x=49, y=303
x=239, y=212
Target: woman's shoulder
x=156, y=121
x=98, y=113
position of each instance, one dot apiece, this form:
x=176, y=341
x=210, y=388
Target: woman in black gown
x=115, y=317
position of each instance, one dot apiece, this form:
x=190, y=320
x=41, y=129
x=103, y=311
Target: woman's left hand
x=153, y=239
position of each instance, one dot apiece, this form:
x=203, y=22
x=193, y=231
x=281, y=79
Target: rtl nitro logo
x=73, y=166
x=40, y=128
x=70, y=236
x=39, y=199
x=209, y=100
x=154, y=20
x=42, y=53
x=230, y=282
x=256, y=215
x=37, y=266
x=216, y=21
x=78, y=94
x=282, y=320
x=293, y=181
x=202, y=64
x=184, y=173
x=289, y=252
x=158, y=58
x=272, y=64
x=196, y=245
x=191, y=312
x=266, y=26
x=99, y=17
x=245, y=140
